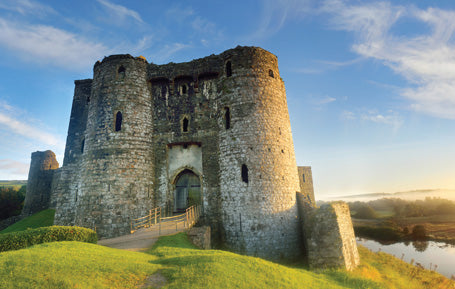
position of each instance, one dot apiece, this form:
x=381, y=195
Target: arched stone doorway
x=187, y=191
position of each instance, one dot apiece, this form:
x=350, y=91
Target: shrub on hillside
x=24, y=239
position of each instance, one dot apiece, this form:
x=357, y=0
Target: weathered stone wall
x=306, y=183
x=200, y=236
x=116, y=171
x=259, y=210
x=330, y=239
x=8, y=222
x=187, y=91
x=67, y=180
x=39, y=182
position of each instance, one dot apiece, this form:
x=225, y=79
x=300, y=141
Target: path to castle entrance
x=142, y=239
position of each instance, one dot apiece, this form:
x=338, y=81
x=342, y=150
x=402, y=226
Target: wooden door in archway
x=187, y=191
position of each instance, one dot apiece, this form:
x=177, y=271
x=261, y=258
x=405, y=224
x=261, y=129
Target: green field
x=13, y=184
x=176, y=263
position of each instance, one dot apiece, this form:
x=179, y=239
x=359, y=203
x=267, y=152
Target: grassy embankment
x=176, y=262
x=42, y=219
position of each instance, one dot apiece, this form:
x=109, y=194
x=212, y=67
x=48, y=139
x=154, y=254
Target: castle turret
x=117, y=168
x=39, y=182
x=257, y=163
x=75, y=140
x=67, y=180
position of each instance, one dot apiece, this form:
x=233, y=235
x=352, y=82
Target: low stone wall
x=329, y=235
x=200, y=236
x=8, y=222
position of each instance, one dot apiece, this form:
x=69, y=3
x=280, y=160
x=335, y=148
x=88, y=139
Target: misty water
x=427, y=253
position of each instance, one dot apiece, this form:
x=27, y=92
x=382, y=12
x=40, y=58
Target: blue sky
x=370, y=84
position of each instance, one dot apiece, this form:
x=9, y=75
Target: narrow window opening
x=185, y=124
x=118, y=121
x=82, y=146
x=183, y=89
x=303, y=177
x=228, y=69
x=227, y=118
x=88, y=99
x=271, y=73
x=245, y=173
x=121, y=72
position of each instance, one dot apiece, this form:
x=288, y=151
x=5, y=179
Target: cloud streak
x=427, y=61
x=12, y=167
x=390, y=118
x=13, y=126
x=26, y=7
x=275, y=13
x=17, y=127
x=49, y=45
x=121, y=11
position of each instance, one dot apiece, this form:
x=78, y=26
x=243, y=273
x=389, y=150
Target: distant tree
x=365, y=212
x=419, y=232
x=446, y=208
x=413, y=210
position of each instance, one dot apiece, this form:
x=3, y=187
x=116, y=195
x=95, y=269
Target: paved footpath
x=142, y=239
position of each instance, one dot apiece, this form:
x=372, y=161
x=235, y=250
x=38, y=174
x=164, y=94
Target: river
x=427, y=253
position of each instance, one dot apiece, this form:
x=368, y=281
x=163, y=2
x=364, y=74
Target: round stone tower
x=258, y=171
x=40, y=176
x=117, y=168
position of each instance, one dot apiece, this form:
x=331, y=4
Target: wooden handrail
x=189, y=219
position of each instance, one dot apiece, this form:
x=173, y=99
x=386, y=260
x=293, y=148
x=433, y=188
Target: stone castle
x=213, y=132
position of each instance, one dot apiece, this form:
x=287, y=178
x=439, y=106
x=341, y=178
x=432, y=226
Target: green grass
x=74, y=265
x=82, y=265
x=44, y=218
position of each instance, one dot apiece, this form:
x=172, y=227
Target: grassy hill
x=41, y=219
x=175, y=262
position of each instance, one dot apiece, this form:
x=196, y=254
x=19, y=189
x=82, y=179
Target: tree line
x=11, y=201
x=430, y=206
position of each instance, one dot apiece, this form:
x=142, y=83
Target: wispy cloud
x=390, y=117
x=426, y=60
x=198, y=27
x=121, y=12
x=15, y=122
x=165, y=53
x=14, y=168
x=320, y=102
x=324, y=100
x=275, y=13
x=50, y=45
x=25, y=7
x=321, y=66
x=18, y=127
